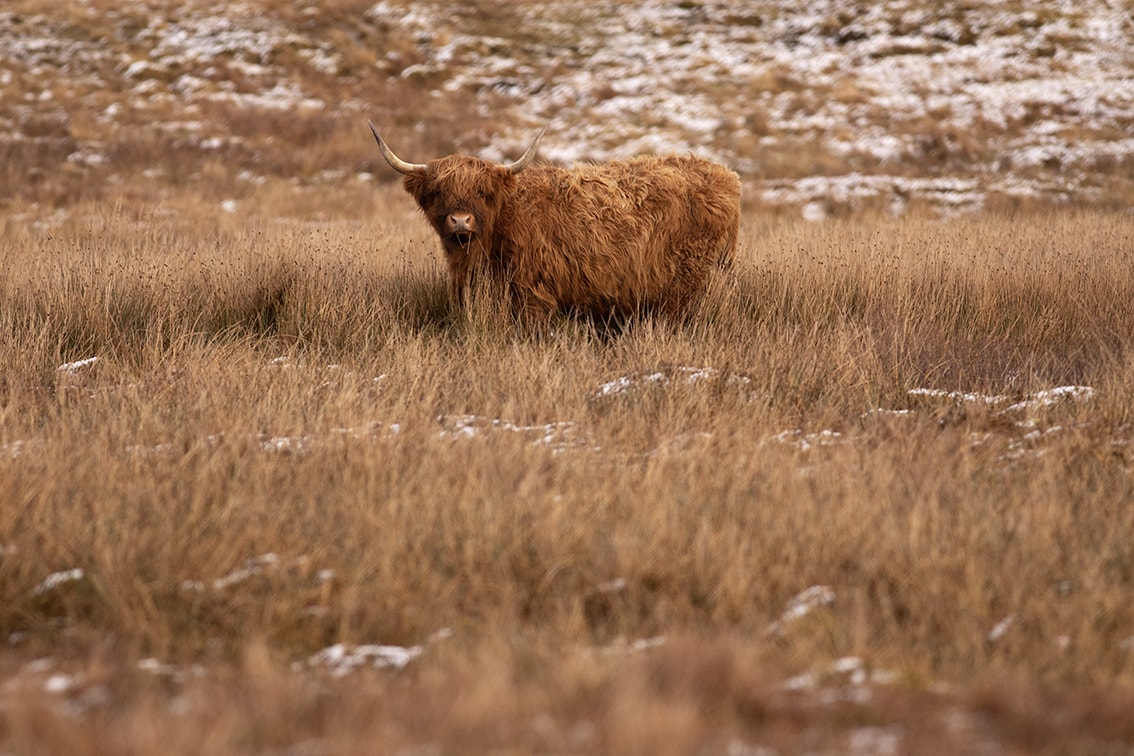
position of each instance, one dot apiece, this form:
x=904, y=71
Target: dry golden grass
x=740, y=534
x=611, y=570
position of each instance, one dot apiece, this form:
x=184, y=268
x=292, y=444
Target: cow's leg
x=534, y=306
x=456, y=292
x=460, y=275
x=690, y=278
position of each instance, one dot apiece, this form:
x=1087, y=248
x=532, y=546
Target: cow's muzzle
x=462, y=226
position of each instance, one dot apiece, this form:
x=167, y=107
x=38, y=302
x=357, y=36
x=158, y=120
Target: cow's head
x=459, y=195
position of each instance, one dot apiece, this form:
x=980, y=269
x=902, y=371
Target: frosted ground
x=856, y=82
x=819, y=105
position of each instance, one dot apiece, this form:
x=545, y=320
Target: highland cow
x=608, y=240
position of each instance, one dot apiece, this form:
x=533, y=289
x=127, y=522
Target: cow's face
x=461, y=197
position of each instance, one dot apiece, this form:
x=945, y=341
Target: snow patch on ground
x=341, y=659
x=57, y=579
x=556, y=435
x=1038, y=400
x=802, y=604
x=669, y=376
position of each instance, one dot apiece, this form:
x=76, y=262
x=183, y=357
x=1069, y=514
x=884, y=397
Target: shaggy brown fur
x=609, y=240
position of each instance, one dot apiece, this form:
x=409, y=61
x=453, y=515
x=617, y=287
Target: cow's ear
x=417, y=184
x=505, y=176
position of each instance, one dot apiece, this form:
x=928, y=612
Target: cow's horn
x=528, y=156
x=395, y=162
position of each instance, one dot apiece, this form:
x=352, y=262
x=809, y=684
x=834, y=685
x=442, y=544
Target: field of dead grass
x=261, y=491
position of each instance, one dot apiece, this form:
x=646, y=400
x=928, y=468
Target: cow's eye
x=487, y=196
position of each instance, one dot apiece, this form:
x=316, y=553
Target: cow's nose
x=461, y=222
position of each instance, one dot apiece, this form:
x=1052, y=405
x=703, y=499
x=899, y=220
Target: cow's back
x=620, y=235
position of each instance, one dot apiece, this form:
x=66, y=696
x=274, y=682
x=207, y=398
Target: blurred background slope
x=821, y=106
